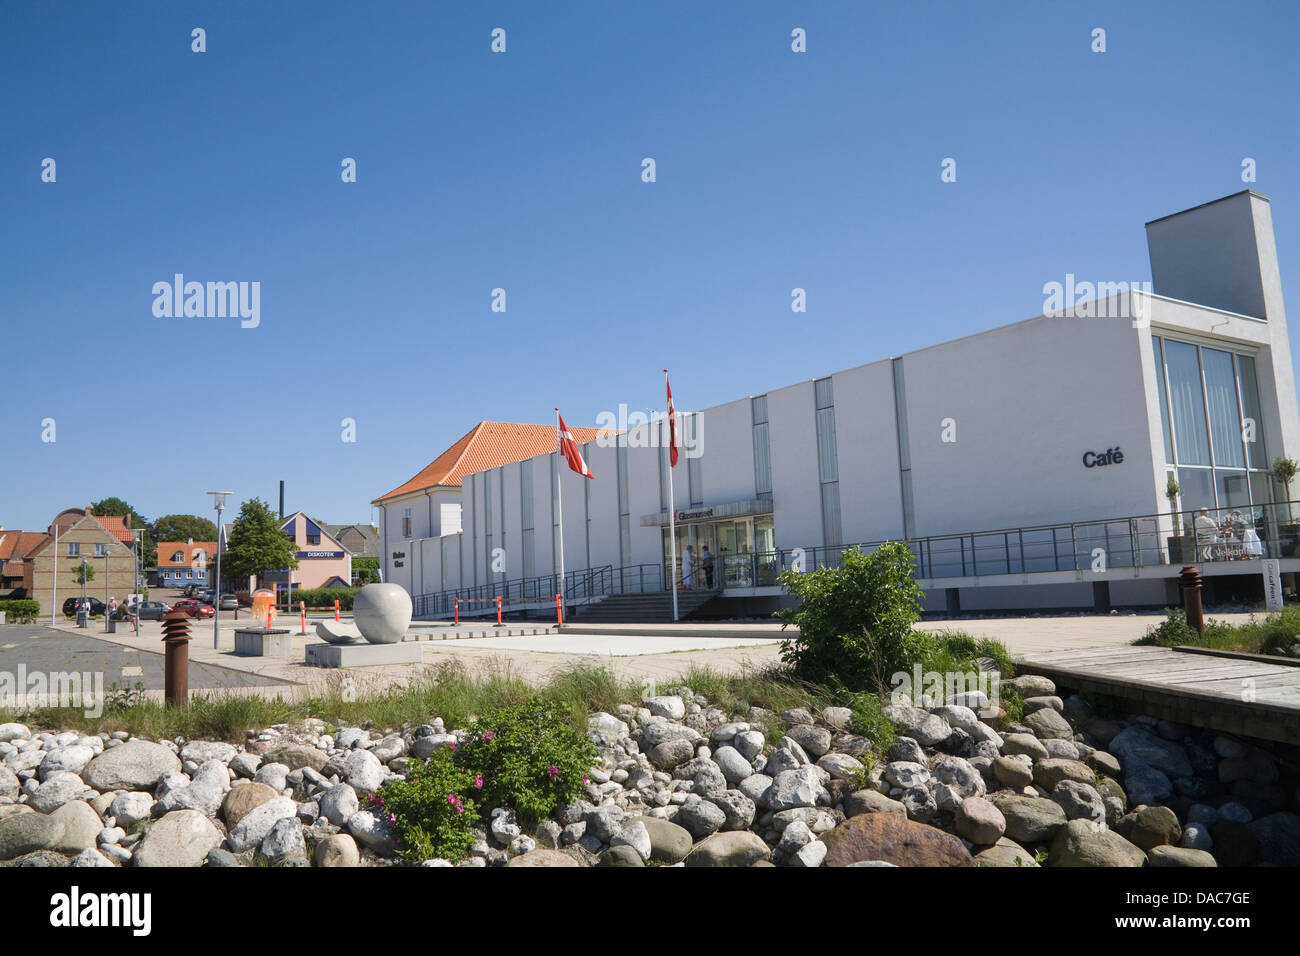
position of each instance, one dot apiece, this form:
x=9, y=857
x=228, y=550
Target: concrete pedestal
x=364, y=655
x=260, y=642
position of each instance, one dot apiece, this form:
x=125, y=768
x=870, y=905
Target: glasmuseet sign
x=1111, y=456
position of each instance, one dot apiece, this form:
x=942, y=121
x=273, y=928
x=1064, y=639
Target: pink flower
x=381, y=801
x=392, y=818
x=488, y=735
x=478, y=782
x=459, y=808
x=451, y=746
x=585, y=779
x=553, y=771
x=451, y=798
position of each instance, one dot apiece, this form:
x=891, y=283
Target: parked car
x=194, y=608
x=148, y=610
x=96, y=606
x=229, y=602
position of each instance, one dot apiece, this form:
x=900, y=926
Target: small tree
x=83, y=575
x=855, y=621
x=1172, y=491
x=257, y=543
x=1284, y=472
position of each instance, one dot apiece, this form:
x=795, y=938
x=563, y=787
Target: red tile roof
x=167, y=548
x=116, y=526
x=487, y=445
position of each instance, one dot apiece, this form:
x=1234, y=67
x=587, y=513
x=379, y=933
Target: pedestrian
x=688, y=566
x=707, y=560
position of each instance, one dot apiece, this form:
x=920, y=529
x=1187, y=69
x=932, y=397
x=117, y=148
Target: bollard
x=336, y=609
x=268, y=619
x=1190, y=583
x=176, y=662
x=302, y=607
x=498, y=610
x=559, y=611
x=455, y=603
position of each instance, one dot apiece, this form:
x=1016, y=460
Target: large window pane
x=1197, y=488
x=762, y=461
x=827, y=462
x=1188, y=404
x=1232, y=489
x=1163, y=398
x=1255, y=450
x=1261, y=489
x=1225, y=417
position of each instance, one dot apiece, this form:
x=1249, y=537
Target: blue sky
x=522, y=171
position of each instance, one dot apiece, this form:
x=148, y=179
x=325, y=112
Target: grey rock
x=178, y=838
x=794, y=788
x=135, y=765
x=253, y=827
x=371, y=832
x=738, y=809
x=1049, y=723
x=338, y=804
x=1079, y=801
x=816, y=741
x=733, y=764
x=923, y=727
x=284, y=843
x=756, y=787
x=337, y=850
x=700, y=817
x=1137, y=746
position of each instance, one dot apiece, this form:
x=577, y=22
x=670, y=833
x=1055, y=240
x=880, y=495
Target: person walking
x=707, y=561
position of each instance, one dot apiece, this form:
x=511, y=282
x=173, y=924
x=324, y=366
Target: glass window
x=827, y=460
x=762, y=462
x=831, y=513
x=101, y=550
x=74, y=549
x=1225, y=417
x=1257, y=455
x=1232, y=488
x=1188, y=404
x=1196, y=488
x=758, y=406
x=1261, y=488
x=824, y=392
x=1163, y=398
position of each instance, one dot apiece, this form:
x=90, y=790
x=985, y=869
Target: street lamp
x=137, y=542
x=218, y=499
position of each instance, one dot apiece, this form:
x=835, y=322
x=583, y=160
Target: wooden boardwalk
x=1250, y=696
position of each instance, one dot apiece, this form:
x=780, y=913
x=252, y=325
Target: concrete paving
x=632, y=651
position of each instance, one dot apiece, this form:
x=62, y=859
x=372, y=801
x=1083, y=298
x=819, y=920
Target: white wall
x=867, y=447
x=796, y=488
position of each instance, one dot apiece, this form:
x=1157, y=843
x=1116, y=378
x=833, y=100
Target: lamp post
x=219, y=499
x=137, y=542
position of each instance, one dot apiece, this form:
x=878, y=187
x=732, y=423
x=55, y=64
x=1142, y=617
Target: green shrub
x=325, y=597
x=531, y=757
x=1174, y=630
x=855, y=621
x=19, y=611
x=433, y=811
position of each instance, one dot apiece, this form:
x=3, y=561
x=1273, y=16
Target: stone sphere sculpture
x=382, y=612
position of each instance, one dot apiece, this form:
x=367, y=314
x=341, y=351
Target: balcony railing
x=1155, y=540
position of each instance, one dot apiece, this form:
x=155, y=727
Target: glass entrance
x=730, y=553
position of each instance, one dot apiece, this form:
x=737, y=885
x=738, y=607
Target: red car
x=194, y=608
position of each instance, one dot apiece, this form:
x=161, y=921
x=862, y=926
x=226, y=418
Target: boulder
x=872, y=801
x=1150, y=827
x=1137, y=746
x=254, y=825
x=1082, y=844
x=1029, y=819
x=178, y=838
x=242, y=800
x=1049, y=723
x=669, y=842
x=296, y=756
x=543, y=858
x=134, y=765
x=893, y=839
x=1048, y=773
x=71, y=828
x=1005, y=853
x=979, y=821
x=733, y=848
x=337, y=849
x=1177, y=856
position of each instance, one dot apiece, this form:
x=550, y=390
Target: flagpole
x=672, y=518
x=559, y=494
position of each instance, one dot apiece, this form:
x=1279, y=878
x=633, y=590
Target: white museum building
x=1028, y=466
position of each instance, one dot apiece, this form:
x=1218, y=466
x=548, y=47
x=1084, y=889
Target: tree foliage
x=855, y=621
x=183, y=528
x=116, y=507
x=257, y=543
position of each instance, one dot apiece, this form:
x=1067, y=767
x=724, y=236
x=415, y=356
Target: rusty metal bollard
x=176, y=666
x=1190, y=583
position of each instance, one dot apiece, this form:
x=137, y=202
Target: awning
x=732, y=509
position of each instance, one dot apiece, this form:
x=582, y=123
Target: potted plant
x=1284, y=472
x=1175, y=542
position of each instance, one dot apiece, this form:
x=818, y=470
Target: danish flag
x=672, y=424
x=569, y=448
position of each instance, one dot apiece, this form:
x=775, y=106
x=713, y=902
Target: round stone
x=382, y=612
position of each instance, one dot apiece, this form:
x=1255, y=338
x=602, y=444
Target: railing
x=1154, y=540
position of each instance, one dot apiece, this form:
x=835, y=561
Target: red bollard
x=559, y=611
x=498, y=610
x=336, y=609
x=302, y=608
x=268, y=618
x=455, y=604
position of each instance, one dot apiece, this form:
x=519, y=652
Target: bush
x=870, y=721
x=433, y=811
x=325, y=597
x=530, y=757
x=855, y=621
x=1174, y=630
x=20, y=611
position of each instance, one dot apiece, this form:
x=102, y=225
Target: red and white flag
x=569, y=448
x=672, y=424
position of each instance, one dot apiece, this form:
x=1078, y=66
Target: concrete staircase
x=653, y=608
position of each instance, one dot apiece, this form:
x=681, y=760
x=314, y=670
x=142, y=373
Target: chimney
x=281, y=499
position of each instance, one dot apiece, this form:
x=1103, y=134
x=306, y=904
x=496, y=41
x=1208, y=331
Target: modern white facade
x=1066, y=419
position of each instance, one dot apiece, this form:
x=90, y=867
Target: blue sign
x=321, y=554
